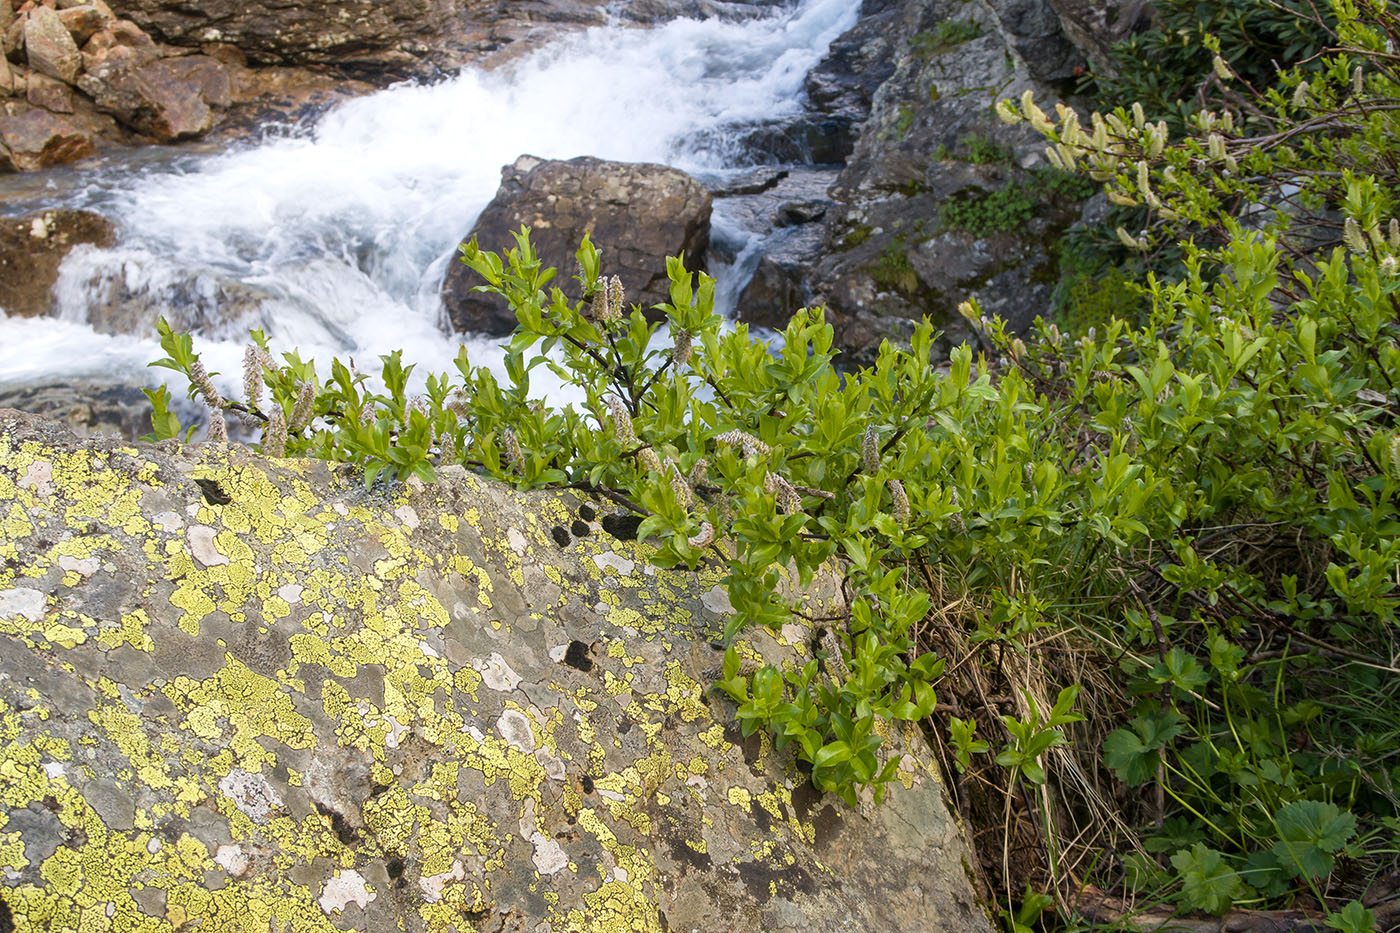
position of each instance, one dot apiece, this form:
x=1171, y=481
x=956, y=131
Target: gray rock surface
x=889, y=256
x=637, y=214
x=249, y=694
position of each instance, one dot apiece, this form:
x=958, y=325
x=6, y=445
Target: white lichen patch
x=291, y=593
x=514, y=727
x=232, y=859
x=716, y=599
x=84, y=566
x=347, y=887
x=251, y=794
x=517, y=541
x=549, y=855
x=53, y=770
x=496, y=673
x=38, y=477
x=553, y=766
x=168, y=521
x=201, y=538
x=22, y=601
x=433, y=886
x=407, y=515
x=624, y=566
x=557, y=653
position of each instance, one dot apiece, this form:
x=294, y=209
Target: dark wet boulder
x=637, y=214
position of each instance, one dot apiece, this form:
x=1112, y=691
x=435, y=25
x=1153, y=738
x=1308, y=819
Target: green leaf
x=1208, y=883
x=1310, y=834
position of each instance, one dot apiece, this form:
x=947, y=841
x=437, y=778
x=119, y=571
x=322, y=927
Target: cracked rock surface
x=242, y=694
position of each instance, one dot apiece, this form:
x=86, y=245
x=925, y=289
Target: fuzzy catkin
x=900, y=501
x=870, y=451
x=218, y=428
x=275, y=434
x=252, y=376
x=199, y=377
x=622, y=422
x=679, y=487
x=702, y=538
x=649, y=459
x=304, y=407
x=681, y=354
x=510, y=443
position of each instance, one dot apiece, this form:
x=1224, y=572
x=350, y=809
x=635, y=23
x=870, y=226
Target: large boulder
x=313, y=31
x=250, y=694
x=50, y=47
x=168, y=99
x=33, y=139
x=31, y=250
x=638, y=213
x=894, y=251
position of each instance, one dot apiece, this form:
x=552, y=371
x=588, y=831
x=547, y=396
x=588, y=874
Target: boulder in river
x=31, y=250
x=240, y=693
x=33, y=139
x=637, y=214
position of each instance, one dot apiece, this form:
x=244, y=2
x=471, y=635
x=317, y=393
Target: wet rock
x=49, y=47
x=891, y=255
x=32, y=249
x=90, y=408
x=638, y=214
x=33, y=139
x=780, y=285
x=168, y=99
x=269, y=688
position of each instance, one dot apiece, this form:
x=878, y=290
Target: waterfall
x=334, y=237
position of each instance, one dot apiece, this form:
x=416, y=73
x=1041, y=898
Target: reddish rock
x=639, y=214
x=7, y=77
x=120, y=41
x=36, y=139
x=83, y=21
x=31, y=250
x=49, y=47
x=43, y=91
x=14, y=41
x=169, y=99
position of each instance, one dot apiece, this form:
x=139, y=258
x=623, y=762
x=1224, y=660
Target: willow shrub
x=1208, y=501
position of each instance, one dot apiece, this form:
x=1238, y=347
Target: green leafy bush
x=1164, y=551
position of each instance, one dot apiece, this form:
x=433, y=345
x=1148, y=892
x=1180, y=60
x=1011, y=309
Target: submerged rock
x=637, y=214
x=31, y=250
x=254, y=694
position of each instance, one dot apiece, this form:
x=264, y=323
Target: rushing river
x=335, y=236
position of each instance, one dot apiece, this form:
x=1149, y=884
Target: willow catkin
x=510, y=443
x=680, y=355
x=900, y=501
x=304, y=408
x=275, y=433
x=252, y=376
x=702, y=538
x=679, y=487
x=649, y=459
x=870, y=450
x=751, y=446
x=199, y=377
x=622, y=422
x=218, y=428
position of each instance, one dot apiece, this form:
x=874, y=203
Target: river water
x=334, y=237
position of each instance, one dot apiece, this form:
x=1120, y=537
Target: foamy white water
x=337, y=239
